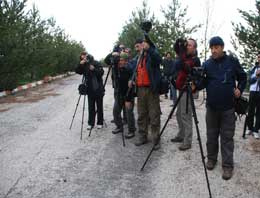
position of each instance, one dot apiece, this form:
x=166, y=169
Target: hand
x=115, y=54
x=128, y=105
x=257, y=73
x=130, y=83
x=237, y=93
x=91, y=67
x=82, y=62
x=146, y=46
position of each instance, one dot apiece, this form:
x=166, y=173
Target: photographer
x=123, y=77
x=186, y=60
x=254, y=100
x=93, y=72
x=221, y=73
x=148, y=86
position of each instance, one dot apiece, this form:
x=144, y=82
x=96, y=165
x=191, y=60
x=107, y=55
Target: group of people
x=224, y=80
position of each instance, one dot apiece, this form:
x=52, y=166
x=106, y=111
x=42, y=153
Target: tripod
x=188, y=90
x=84, y=81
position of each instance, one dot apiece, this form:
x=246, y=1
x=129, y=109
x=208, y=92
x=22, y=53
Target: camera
x=180, y=47
x=146, y=26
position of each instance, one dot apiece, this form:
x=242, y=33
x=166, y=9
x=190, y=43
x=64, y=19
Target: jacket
x=254, y=82
x=94, y=79
x=153, y=61
x=220, y=81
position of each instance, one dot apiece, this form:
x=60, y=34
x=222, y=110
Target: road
x=40, y=157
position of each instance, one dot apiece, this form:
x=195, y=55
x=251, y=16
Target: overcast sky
x=97, y=23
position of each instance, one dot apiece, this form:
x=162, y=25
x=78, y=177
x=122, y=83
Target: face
x=217, y=51
x=191, y=47
x=83, y=57
x=122, y=62
x=168, y=55
x=258, y=58
x=138, y=47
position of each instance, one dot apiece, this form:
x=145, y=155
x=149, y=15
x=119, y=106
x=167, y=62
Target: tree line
x=31, y=47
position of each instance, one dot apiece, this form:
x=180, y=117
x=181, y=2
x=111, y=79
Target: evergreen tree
x=247, y=41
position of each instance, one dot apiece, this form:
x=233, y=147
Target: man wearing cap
x=221, y=73
x=148, y=87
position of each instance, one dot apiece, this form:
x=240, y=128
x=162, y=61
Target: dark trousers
x=254, y=111
x=119, y=105
x=93, y=104
x=220, y=123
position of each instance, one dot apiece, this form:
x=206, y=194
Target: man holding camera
x=221, y=73
x=187, y=58
x=254, y=100
x=148, y=87
x=93, y=72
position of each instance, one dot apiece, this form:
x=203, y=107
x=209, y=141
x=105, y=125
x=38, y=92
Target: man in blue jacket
x=254, y=100
x=221, y=73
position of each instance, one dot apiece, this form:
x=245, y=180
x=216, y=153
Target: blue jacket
x=220, y=80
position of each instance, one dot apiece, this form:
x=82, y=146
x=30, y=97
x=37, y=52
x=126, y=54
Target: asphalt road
x=40, y=157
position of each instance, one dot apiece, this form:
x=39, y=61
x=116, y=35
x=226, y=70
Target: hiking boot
x=117, y=130
x=184, y=147
x=141, y=140
x=177, y=139
x=89, y=127
x=249, y=132
x=210, y=164
x=130, y=135
x=227, y=173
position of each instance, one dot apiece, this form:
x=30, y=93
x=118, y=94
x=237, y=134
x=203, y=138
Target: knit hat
x=216, y=40
x=139, y=40
x=124, y=55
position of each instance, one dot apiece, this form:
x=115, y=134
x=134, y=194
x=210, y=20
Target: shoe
x=99, y=126
x=130, y=135
x=142, y=140
x=117, y=130
x=256, y=135
x=89, y=127
x=157, y=145
x=184, y=147
x=210, y=164
x=249, y=132
x=177, y=139
x=227, y=173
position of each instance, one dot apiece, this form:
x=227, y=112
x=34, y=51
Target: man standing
x=184, y=118
x=254, y=100
x=148, y=86
x=221, y=73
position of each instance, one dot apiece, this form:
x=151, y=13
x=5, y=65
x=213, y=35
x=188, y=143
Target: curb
x=46, y=79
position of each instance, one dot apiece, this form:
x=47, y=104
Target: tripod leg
x=123, y=137
x=90, y=132
x=82, y=121
x=245, y=126
x=75, y=112
x=198, y=135
x=164, y=126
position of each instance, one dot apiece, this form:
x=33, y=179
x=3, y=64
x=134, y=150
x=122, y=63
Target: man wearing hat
x=148, y=87
x=221, y=73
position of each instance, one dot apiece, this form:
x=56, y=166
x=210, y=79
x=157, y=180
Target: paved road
x=40, y=157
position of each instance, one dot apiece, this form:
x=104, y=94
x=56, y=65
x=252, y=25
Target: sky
x=97, y=23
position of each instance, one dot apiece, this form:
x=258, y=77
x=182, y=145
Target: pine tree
x=247, y=41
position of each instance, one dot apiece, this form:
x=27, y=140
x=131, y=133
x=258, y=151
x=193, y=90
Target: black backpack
x=241, y=105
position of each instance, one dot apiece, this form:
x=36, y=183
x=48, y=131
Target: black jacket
x=94, y=79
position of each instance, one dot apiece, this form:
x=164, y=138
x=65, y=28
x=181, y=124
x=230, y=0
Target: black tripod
x=84, y=93
x=189, y=96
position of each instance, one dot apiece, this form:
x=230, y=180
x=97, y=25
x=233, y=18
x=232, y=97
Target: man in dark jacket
x=221, y=73
x=254, y=100
x=123, y=77
x=148, y=85
x=93, y=72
